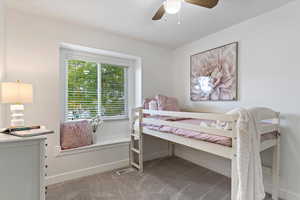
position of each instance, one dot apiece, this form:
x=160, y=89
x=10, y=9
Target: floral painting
x=214, y=74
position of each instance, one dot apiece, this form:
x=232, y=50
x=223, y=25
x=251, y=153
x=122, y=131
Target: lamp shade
x=16, y=93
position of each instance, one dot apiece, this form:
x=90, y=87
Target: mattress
x=221, y=140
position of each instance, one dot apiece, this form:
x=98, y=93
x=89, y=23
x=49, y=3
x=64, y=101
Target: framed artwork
x=213, y=74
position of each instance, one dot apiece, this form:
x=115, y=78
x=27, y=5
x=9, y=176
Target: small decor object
x=214, y=74
x=96, y=122
x=16, y=94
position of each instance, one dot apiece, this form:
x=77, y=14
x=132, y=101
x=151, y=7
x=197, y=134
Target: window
x=95, y=86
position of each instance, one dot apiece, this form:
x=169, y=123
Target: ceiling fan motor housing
x=172, y=6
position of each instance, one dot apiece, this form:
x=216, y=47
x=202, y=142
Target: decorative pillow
x=75, y=134
x=167, y=103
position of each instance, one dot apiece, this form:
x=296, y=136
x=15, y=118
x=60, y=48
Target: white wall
x=33, y=56
x=2, y=38
x=2, y=49
x=269, y=71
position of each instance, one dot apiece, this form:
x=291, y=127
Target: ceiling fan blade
x=158, y=15
x=203, y=3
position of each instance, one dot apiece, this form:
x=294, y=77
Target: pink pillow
x=167, y=103
x=75, y=134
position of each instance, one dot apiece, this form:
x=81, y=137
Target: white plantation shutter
x=95, y=88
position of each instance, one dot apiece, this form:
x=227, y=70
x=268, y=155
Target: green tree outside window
x=84, y=100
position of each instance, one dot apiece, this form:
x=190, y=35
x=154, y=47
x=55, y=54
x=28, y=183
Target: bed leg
x=234, y=180
x=275, y=170
x=171, y=148
x=234, y=176
x=141, y=143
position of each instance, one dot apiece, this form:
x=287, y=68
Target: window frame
x=68, y=54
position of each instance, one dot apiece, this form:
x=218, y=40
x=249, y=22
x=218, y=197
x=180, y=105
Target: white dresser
x=22, y=167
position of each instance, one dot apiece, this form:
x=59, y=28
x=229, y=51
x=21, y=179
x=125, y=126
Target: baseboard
x=86, y=172
x=288, y=195
x=284, y=194
x=99, y=169
x=155, y=155
x=217, y=168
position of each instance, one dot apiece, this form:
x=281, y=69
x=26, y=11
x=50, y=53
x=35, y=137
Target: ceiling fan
x=174, y=6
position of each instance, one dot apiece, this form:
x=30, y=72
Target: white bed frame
x=137, y=131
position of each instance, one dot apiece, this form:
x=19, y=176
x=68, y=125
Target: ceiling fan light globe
x=172, y=6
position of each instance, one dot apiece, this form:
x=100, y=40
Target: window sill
x=104, y=119
x=94, y=147
x=115, y=118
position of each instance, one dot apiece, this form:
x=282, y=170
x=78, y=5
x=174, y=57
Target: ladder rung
x=135, y=150
x=135, y=165
x=135, y=136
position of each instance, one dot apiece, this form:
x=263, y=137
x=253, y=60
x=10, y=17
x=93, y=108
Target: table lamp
x=16, y=94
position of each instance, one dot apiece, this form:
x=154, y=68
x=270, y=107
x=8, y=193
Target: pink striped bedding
x=225, y=141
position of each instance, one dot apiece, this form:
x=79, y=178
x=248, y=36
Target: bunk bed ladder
x=136, y=141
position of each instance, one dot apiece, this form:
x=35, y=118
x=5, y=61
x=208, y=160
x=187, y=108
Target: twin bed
x=209, y=132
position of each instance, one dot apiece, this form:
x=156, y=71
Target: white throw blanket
x=249, y=180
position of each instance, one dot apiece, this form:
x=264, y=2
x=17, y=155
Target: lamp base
x=17, y=115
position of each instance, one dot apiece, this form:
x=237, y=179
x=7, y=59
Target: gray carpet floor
x=163, y=179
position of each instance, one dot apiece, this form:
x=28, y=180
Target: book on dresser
x=27, y=131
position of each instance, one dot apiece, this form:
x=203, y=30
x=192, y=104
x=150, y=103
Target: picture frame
x=214, y=74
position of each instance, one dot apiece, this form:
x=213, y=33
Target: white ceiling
x=133, y=17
